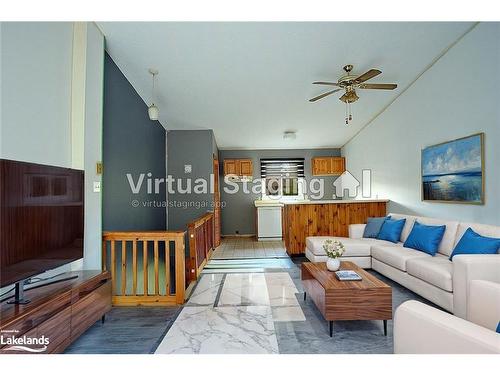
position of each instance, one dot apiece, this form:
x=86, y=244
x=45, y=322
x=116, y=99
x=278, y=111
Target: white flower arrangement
x=333, y=248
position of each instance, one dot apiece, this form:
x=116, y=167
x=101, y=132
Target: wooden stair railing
x=201, y=244
x=143, y=256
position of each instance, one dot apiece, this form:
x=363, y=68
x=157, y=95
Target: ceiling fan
x=350, y=82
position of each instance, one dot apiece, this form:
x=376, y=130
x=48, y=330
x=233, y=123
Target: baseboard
x=237, y=235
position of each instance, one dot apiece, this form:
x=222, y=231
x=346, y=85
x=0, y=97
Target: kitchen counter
x=337, y=201
x=268, y=203
x=279, y=203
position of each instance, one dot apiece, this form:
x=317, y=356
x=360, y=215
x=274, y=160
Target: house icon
x=346, y=181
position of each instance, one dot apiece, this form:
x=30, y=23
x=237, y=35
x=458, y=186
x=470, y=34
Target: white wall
x=94, y=91
x=36, y=92
x=456, y=97
x=37, y=117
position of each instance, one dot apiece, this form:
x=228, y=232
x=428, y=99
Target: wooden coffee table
x=368, y=299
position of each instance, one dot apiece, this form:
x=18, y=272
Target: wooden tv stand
x=61, y=312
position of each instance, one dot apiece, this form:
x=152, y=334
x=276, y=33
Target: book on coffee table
x=347, y=276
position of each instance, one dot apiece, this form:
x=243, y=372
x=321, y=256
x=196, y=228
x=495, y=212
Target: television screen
x=41, y=218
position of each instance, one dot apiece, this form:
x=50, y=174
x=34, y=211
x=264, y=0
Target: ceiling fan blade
x=368, y=75
x=378, y=86
x=326, y=83
x=323, y=95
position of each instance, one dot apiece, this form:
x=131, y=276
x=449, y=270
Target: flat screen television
x=41, y=218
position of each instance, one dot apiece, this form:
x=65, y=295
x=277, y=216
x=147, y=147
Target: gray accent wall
x=195, y=148
x=134, y=144
x=238, y=212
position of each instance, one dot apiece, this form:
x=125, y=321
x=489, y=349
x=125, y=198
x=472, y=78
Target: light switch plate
x=97, y=186
x=188, y=168
x=98, y=168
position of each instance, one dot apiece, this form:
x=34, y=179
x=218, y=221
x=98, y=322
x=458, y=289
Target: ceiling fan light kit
x=350, y=82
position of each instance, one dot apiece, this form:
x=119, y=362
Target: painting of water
x=453, y=171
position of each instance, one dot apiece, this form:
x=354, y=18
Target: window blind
x=283, y=167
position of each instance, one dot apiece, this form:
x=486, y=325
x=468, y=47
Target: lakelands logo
x=24, y=343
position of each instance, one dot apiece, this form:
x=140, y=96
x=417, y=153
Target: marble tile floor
x=221, y=330
x=274, y=297
x=238, y=317
x=248, y=247
x=247, y=265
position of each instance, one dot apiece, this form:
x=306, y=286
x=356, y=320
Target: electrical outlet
x=97, y=186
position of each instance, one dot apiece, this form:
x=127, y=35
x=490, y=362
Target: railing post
x=180, y=276
x=193, y=257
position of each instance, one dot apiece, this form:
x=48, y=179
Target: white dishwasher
x=269, y=223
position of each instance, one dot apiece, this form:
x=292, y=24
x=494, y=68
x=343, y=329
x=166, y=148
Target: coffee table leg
x=305, y=296
x=331, y=328
x=385, y=327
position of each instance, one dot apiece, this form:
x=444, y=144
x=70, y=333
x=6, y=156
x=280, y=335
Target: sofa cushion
x=447, y=243
x=482, y=229
x=473, y=243
x=391, y=230
x=353, y=247
x=435, y=270
x=408, y=224
x=373, y=225
x=396, y=256
x=425, y=238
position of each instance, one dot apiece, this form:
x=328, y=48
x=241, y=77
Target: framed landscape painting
x=453, y=171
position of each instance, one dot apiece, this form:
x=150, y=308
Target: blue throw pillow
x=425, y=238
x=373, y=225
x=391, y=230
x=473, y=243
x=498, y=327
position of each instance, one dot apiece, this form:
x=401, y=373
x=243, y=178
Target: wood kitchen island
x=325, y=218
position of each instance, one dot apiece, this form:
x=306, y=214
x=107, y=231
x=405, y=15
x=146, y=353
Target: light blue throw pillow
x=425, y=238
x=473, y=243
x=391, y=230
x=373, y=225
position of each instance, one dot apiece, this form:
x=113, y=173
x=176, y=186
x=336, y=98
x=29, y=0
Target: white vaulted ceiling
x=250, y=82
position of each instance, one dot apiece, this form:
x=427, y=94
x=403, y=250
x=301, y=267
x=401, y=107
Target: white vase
x=333, y=264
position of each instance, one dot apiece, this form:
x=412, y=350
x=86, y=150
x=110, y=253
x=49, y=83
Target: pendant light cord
x=153, y=90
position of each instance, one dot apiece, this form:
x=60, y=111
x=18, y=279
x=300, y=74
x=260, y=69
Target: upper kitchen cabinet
x=246, y=167
x=328, y=166
x=238, y=167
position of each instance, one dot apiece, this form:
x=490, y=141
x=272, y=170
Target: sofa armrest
x=356, y=230
x=422, y=329
x=471, y=267
x=483, y=304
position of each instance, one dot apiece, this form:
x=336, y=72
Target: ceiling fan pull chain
x=350, y=113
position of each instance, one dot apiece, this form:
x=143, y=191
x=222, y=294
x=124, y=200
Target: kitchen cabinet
x=328, y=166
x=325, y=218
x=246, y=168
x=238, y=167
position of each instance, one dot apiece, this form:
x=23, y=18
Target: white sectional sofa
x=435, y=278
x=422, y=329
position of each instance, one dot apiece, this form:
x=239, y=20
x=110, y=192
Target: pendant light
x=153, y=110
